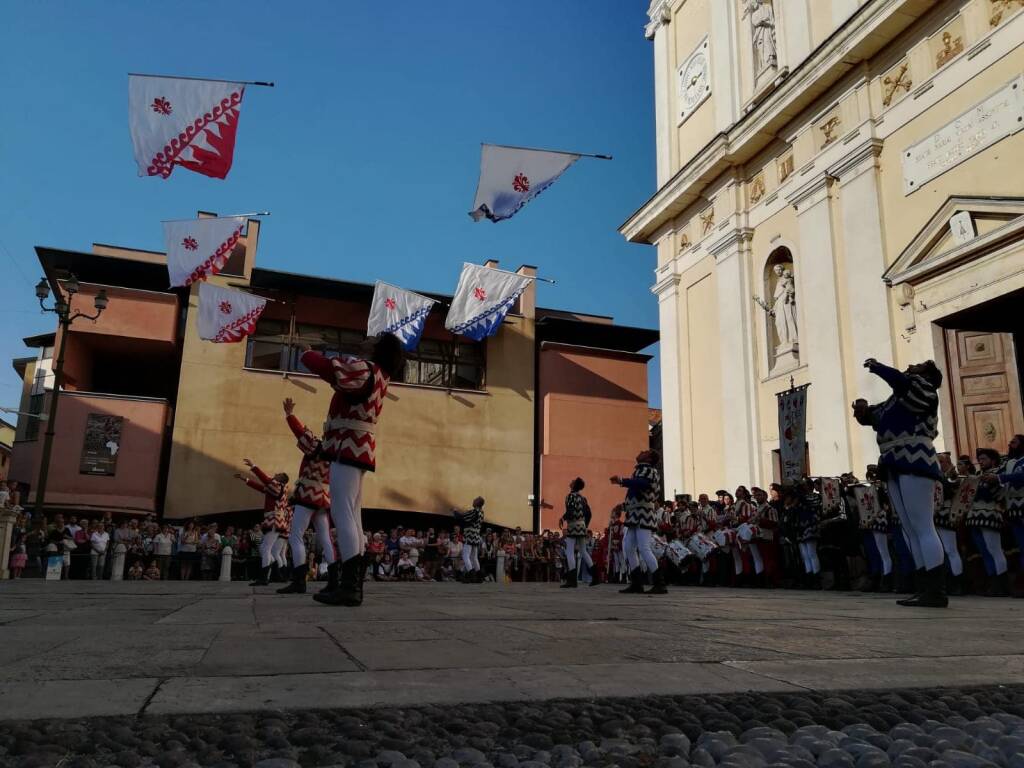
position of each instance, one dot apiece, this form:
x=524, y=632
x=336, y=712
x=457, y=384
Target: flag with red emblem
x=510, y=177
x=398, y=312
x=183, y=121
x=199, y=248
x=482, y=299
x=226, y=315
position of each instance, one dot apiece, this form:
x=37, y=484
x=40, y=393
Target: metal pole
x=58, y=378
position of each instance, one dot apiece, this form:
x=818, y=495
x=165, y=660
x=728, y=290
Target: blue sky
x=366, y=152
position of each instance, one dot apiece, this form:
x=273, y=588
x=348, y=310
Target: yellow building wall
x=689, y=30
x=435, y=450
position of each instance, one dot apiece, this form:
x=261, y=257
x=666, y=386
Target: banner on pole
x=793, y=433
x=227, y=316
x=510, y=177
x=199, y=248
x=183, y=121
x=482, y=299
x=398, y=312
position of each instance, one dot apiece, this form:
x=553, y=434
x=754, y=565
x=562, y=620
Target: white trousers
x=470, y=557
x=636, y=545
x=267, y=547
x=913, y=498
x=300, y=522
x=347, y=509
x=279, y=550
x=755, y=553
x=809, y=553
x=948, y=539
x=994, y=544
x=882, y=545
x=570, y=552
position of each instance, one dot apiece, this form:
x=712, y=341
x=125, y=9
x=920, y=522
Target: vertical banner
x=792, y=433
x=830, y=501
x=964, y=499
x=102, y=444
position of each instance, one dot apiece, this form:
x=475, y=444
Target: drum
x=724, y=537
x=658, y=546
x=747, y=532
x=701, y=545
x=677, y=552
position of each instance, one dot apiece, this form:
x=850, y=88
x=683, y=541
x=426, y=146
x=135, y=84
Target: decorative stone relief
x=659, y=14
x=707, y=220
x=757, y=188
x=829, y=130
x=951, y=47
x=897, y=79
x=1002, y=9
x=684, y=241
x=785, y=166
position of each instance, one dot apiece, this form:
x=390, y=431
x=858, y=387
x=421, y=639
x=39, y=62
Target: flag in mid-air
x=510, y=177
x=198, y=248
x=483, y=298
x=226, y=315
x=398, y=312
x=180, y=121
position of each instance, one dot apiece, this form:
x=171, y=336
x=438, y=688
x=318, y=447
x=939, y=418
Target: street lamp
x=62, y=308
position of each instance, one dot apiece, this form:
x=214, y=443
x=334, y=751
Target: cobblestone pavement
x=169, y=674
x=926, y=728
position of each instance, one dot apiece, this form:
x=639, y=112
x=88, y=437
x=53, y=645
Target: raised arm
x=297, y=427
x=263, y=476
x=348, y=375
x=635, y=483
x=898, y=380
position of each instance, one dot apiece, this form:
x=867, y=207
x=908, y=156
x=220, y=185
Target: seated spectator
x=406, y=568
x=152, y=572
x=135, y=571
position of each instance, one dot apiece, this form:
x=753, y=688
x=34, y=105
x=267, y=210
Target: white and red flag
x=226, y=315
x=198, y=248
x=183, y=121
x=510, y=177
x=398, y=312
x=483, y=298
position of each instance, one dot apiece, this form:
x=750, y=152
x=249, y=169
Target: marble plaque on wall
x=995, y=118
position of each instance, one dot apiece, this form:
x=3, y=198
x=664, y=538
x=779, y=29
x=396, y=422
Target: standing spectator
x=187, y=549
x=162, y=545
x=18, y=559
x=209, y=547
x=98, y=541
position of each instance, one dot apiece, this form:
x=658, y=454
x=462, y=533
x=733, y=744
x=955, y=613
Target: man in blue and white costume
x=1011, y=475
x=905, y=426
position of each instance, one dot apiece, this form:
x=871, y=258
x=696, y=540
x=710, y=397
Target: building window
x=449, y=364
x=35, y=406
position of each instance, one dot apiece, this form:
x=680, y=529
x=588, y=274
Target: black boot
x=659, y=584
x=350, y=585
x=956, y=585
x=999, y=586
x=933, y=590
x=263, y=579
x=570, y=580
x=332, y=578
x=298, y=582
x=595, y=579
x=885, y=583
x=636, y=583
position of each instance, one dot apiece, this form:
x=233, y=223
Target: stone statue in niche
x=782, y=310
x=762, y=33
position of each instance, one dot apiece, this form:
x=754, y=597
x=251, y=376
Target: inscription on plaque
x=995, y=118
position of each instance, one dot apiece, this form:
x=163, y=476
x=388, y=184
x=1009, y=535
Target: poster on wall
x=792, y=432
x=102, y=444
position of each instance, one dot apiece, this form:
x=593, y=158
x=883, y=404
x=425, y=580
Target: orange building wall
x=134, y=486
x=593, y=424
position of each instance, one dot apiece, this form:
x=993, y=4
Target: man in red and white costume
x=350, y=443
x=311, y=501
x=277, y=515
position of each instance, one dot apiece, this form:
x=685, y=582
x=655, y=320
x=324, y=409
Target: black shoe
x=998, y=586
x=263, y=579
x=570, y=580
x=298, y=582
x=885, y=583
x=350, y=585
x=594, y=579
x=636, y=583
x=956, y=585
x=933, y=590
x=659, y=584
x=332, y=578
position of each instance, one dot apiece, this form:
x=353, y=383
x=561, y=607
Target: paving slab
x=74, y=698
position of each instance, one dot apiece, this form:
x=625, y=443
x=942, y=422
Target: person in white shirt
x=411, y=545
x=163, y=542
x=98, y=541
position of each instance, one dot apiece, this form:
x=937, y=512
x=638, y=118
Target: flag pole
x=243, y=286
x=225, y=216
x=553, y=151
x=205, y=79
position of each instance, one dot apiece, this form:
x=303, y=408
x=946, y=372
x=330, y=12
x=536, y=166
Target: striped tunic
x=277, y=508
x=944, y=494
x=643, y=497
x=767, y=517
x=808, y=516
x=986, y=509
x=576, y=508
x=1011, y=475
x=906, y=424
x=313, y=486
x=471, y=522
x=359, y=390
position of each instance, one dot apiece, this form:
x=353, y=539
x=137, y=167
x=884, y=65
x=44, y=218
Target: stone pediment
x=981, y=225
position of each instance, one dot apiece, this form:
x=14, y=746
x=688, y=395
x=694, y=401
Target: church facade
x=837, y=180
